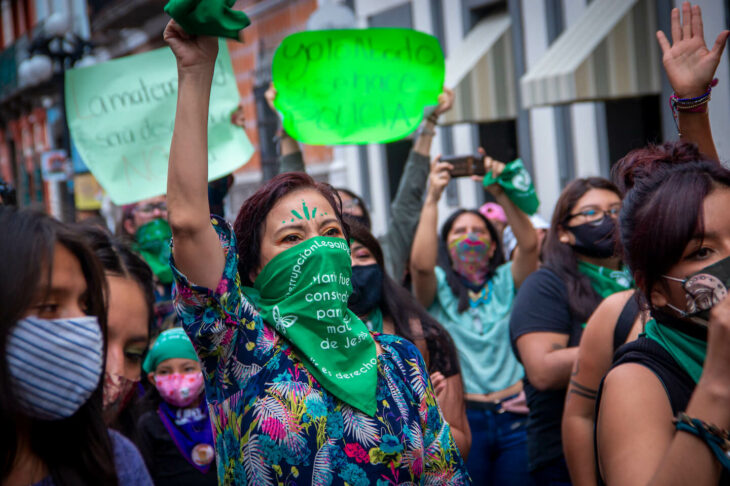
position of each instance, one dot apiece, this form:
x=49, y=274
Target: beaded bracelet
x=433, y=118
x=715, y=438
x=697, y=104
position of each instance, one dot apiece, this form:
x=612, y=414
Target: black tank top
x=625, y=323
x=677, y=383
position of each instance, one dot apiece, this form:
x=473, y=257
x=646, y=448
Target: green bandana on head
x=152, y=242
x=173, y=343
x=606, y=281
x=303, y=293
x=517, y=184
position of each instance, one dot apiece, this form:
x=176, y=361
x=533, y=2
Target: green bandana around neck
x=152, y=242
x=689, y=352
x=374, y=321
x=215, y=18
x=303, y=293
x=517, y=184
x=606, y=281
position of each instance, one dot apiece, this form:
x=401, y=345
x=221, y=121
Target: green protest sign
x=121, y=114
x=356, y=86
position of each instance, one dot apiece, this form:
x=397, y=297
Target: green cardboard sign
x=121, y=114
x=356, y=86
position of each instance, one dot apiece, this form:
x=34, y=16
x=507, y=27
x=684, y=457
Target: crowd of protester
x=294, y=346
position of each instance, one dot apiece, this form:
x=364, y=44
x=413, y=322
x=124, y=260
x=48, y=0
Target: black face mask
x=367, y=285
x=595, y=241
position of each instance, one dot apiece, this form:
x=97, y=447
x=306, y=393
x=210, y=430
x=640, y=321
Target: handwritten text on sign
x=121, y=115
x=356, y=86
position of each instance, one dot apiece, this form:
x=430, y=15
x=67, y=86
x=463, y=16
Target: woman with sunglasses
x=552, y=306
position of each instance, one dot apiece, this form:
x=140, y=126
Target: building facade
x=569, y=86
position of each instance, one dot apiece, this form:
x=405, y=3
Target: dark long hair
x=444, y=259
x=665, y=188
x=249, y=223
x=360, y=203
x=118, y=259
x=401, y=307
x=561, y=259
x=76, y=450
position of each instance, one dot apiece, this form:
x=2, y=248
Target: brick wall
x=260, y=40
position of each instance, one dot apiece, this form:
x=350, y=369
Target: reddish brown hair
x=249, y=223
x=665, y=186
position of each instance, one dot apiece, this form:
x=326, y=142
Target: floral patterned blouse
x=273, y=423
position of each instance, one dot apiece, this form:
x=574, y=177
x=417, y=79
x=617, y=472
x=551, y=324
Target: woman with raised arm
x=662, y=414
x=472, y=298
x=299, y=391
x=690, y=67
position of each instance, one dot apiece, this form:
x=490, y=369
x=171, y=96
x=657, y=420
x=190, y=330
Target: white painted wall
x=542, y=120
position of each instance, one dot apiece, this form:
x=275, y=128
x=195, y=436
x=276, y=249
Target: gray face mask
x=54, y=364
x=703, y=290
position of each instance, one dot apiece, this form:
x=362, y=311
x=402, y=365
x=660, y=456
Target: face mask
x=703, y=290
x=595, y=240
x=367, y=285
x=303, y=293
x=54, y=364
x=118, y=391
x=470, y=257
x=152, y=241
x=179, y=390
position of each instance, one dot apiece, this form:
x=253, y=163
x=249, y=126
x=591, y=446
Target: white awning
x=481, y=72
x=609, y=52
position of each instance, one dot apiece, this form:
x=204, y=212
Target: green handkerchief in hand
x=517, y=184
x=214, y=18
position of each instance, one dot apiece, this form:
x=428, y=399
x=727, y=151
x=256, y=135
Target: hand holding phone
x=466, y=165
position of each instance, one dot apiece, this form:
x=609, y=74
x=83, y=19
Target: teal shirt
x=481, y=333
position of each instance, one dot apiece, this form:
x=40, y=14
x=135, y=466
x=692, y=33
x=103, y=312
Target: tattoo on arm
x=582, y=391
x=557, y=346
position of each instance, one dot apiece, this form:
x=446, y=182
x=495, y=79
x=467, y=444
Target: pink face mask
x=179, y=390
x=118, y=391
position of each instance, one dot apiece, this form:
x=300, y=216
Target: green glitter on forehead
x=305, y=211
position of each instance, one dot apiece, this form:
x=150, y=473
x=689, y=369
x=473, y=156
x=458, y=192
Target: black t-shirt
x=166, y=464
x=542, y=305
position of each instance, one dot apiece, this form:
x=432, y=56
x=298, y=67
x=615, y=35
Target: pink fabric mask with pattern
x=470, y=257
x=178, y=389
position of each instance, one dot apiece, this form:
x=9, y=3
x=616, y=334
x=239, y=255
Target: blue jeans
x=498, y=454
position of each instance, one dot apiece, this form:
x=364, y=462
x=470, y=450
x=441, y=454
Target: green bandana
x=152, y=242
x=374, y=320
x=215, y=18
x=173, y=343
x=606, y=281
x=689, y=352
x=517, y=184
x=303, y=293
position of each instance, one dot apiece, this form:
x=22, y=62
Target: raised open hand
x=193, y=52
x=690, y=66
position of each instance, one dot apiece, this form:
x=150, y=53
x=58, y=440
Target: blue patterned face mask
x=54, y=364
